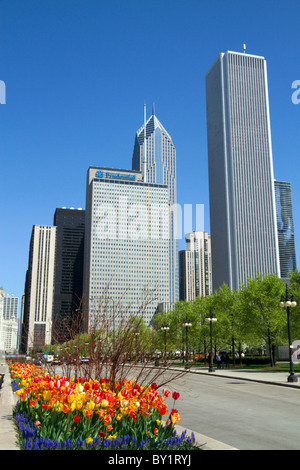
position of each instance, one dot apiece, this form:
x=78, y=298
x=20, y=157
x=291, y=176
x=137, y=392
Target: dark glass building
x=285, y=224
x=68, y=281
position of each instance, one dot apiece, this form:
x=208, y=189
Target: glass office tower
x=68, y=279
x=241, y=182
x=154, y=154
x=285, y=225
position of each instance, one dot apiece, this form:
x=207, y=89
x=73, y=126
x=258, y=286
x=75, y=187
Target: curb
x=206, y=443
x=269, y=382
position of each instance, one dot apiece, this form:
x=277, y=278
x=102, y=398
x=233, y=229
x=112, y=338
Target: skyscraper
x=241, y=182
x=126, y=254
x=9, y=323
x=11, y=306
x=39, y=286
x=68, y=281
x=285, y=224
x=154, y=154
x=195, y=274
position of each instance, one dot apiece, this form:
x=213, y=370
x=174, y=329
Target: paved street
x=245, y=414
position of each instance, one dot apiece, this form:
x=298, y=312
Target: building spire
x=153, y=109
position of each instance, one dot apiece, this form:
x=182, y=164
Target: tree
x=261, y=314
x=228, y=312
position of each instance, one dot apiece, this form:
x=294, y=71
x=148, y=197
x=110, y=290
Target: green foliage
x=249, y=316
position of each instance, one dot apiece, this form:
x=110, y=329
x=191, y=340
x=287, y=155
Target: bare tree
x=118, y=345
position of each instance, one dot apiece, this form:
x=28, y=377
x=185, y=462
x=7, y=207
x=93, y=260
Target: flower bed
x=62, y=413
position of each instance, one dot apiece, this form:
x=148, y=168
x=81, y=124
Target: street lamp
x=288, y=302
x=211, y=318
x=165, y=328
x=187, y=324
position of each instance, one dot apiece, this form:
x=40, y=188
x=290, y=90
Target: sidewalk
x=8, y=400
x=271, y=377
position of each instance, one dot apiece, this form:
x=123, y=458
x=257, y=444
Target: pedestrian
x=227, y=361
x=218, y=359
x=223, y=360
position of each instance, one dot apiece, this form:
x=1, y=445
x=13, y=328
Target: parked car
x=56, y=362
x=84, y=360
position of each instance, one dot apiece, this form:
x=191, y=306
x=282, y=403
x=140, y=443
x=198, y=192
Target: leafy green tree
x=228, y=312
x=261, y=314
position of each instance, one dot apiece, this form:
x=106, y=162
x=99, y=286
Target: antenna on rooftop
x=244, y=48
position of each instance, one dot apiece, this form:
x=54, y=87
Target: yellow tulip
x=71, y=398
x=90, y=405
x=47, y=395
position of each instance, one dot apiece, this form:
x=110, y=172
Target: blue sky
x=77, y=73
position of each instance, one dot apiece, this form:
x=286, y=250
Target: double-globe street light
x=211, y=318
x=288, y=302
x=187, y=324
x=165, y=328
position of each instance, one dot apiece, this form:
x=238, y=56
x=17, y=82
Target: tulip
x=175, y=395
x=88, y=414
x=95, y=385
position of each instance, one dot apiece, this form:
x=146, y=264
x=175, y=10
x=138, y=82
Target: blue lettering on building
x=100, y=174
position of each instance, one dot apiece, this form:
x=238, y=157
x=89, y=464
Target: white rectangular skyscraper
x=39, y=286
x=241, y=182
x=126, y=258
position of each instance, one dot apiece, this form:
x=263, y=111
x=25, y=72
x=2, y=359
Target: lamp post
x=288, y=302
x=187, y=324
x=165, y=328
x=211, y=318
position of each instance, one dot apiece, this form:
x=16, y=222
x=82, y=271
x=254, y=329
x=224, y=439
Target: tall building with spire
x=241, y=184
x=154, y=154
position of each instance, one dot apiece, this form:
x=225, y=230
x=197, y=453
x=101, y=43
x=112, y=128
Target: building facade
x=154, y=154
x=68, y=280
x=11, y=307
x=9, y=323
x=195, y=270
x=285, y=227
x=126, y=255
x=39, y=289
x=241, y=183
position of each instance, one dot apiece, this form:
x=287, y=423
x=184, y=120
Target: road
x=246, y=415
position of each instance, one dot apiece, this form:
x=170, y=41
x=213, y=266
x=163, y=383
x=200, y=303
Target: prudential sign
x=108, y=174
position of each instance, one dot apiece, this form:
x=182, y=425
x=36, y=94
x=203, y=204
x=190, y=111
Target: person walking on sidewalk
x=227, y=360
